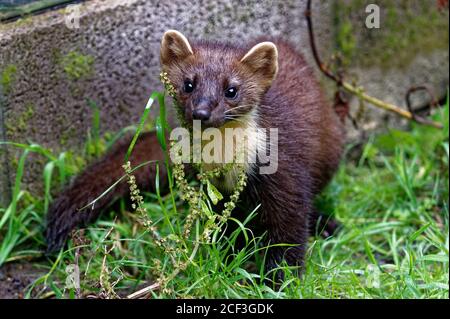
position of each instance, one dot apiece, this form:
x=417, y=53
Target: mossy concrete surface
x=49, y=71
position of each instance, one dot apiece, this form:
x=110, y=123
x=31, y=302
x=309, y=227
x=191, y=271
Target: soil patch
x=15, y=278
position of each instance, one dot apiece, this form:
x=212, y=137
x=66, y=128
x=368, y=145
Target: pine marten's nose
x=202, y=108
x=201, y=114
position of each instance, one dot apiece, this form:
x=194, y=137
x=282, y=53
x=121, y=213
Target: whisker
x=233, y=109
x=237, y=107
x=234, y=115
x=235, y=119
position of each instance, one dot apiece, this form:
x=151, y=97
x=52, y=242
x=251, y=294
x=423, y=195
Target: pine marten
x=264, y=83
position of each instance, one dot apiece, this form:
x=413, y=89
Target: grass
x=392, y=202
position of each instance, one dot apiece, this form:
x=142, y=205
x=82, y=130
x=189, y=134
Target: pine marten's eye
x=231, y=93
x=188, y=86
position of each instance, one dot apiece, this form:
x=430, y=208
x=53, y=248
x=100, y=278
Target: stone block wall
x=48, y=71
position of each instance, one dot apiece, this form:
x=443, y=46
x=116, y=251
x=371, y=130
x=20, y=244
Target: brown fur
x=64, y=214
x=310, y=139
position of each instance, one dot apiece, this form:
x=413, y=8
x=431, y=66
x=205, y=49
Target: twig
x=143, y=291
x=390, y=107
x=358, y=91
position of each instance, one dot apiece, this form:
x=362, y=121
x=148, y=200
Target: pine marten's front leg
x=286, y=207
x=64, y=214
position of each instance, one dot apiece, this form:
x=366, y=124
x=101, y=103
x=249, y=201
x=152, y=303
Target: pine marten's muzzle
x=202, y=110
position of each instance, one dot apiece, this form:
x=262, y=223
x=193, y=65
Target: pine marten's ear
x=262, y=60
x=174, y=48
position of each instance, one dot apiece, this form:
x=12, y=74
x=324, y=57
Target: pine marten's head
x=217, y=83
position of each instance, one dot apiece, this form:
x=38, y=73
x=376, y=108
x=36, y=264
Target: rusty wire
x=342, y=106
x=433, y=102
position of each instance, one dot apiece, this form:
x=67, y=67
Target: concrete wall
x=48, y=70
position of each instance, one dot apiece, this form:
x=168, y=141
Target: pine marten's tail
x=64, y=214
